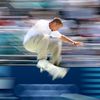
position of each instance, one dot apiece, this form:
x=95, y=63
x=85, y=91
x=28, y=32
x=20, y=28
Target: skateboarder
x=44, y=38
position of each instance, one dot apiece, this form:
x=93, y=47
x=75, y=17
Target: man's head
x=55, y=24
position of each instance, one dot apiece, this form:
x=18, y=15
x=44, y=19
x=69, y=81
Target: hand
x=78, y=43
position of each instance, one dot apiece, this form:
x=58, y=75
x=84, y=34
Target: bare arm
x=67, y=39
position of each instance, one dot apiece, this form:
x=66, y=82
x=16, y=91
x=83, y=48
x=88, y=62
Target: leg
x=55, y=47
x=38, y=44
x=45, y=65
x=31, y=44
x=42, y=47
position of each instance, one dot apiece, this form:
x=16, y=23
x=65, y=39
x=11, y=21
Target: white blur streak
x=82, y=2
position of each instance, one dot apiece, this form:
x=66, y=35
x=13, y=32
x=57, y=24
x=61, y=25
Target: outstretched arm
x=67, y=39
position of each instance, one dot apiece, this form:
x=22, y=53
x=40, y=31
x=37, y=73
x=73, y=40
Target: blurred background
x=81, y=20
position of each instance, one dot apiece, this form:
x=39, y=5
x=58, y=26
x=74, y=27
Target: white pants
x=43, y=45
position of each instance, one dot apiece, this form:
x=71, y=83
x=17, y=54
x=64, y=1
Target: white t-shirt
x=41, y=27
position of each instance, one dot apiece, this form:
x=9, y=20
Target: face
x=55, y=26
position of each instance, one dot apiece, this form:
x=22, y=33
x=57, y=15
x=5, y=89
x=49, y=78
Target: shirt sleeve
x=56, y=34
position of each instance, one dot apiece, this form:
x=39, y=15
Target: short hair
x=58, y=21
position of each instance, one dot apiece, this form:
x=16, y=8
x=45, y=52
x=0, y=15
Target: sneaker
x=54, y=71
x=42, y=64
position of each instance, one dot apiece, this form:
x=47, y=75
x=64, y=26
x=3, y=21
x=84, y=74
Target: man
x=44, y=38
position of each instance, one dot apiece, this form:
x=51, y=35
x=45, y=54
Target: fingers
x=78, y=43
